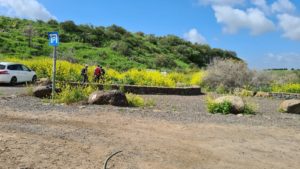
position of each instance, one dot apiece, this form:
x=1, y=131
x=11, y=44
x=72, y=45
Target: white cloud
x=236, y=19
x=261, y=4
x=221, y=2
x=283, y=6
x=290, y=26
x=30, y=9
x=194, y=36
x=258, y=16
x=283, y=60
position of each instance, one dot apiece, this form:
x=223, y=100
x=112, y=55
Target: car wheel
x=13, y=81
x=34, y=79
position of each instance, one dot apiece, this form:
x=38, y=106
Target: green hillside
x=111, y=46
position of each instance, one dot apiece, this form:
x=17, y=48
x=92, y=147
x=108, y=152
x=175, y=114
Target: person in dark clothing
x=102, y=74
x=84, y=74
x=97, y=73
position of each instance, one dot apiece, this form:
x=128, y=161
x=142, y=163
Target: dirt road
x=85, y=139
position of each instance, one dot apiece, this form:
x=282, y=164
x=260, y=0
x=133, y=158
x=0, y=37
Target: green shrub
x=225, y=107
x=135, y=100
x=249, y=109
x=71, y=94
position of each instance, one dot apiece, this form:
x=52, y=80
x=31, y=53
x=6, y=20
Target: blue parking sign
x=53, y=38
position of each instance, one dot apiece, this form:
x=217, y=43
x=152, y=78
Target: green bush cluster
x=137, y=101
x=111, y=46
x=225, y=107
x=71, y=94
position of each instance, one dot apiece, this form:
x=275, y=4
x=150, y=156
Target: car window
x=2, y=67
x=12, y=67
x=15, y=67
x=19, y=67
x=25, y=68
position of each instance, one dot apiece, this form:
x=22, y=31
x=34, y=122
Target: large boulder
x=290, y=106
x=237, y=103
x=114, y=97
x=44, y=91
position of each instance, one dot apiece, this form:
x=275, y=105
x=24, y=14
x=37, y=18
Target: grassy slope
x=111, y=46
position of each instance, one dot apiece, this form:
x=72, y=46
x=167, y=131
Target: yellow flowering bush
x=67, y=71
x=197, y=78
x=288, y=88
x=148, y=78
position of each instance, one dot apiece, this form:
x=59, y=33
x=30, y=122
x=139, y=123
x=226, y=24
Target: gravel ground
x=177, y=132
x=184, y=109
x=6, y=90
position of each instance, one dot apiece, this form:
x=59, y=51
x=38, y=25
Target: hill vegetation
x=111, y=46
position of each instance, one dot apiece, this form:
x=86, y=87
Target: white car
x=14, y=73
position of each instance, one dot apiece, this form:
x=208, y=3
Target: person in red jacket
x=97, y=74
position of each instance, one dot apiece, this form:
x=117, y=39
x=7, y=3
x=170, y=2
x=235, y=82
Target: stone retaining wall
x=150, y=90
x=285, y=96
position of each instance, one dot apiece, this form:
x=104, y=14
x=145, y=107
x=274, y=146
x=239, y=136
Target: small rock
x=262, y=94
x=240, y=115
x=82, y=107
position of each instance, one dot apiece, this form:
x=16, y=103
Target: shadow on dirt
x=17, y=85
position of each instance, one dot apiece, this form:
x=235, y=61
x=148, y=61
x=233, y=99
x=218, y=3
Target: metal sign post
x=53, y=72
x=53, y=41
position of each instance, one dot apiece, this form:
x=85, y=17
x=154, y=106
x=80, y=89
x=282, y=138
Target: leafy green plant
x=225, y=107
x=135, y=100
x=249, y=109
x=71, y=94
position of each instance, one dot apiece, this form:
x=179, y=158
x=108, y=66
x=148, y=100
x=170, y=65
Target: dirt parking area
x=176, y=133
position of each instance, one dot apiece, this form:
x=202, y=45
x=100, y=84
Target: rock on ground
x=290, y=106
x=114, y=97
x=44, y=91
x=262, y=94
